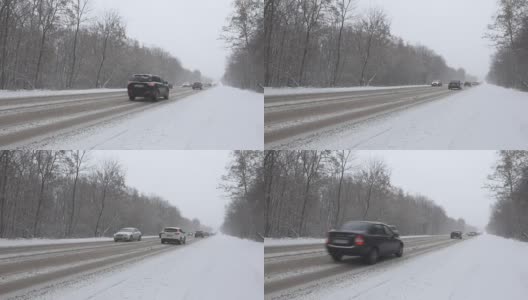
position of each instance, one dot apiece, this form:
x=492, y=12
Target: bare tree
x=78, y=13
x=46, y=167
x=111, y=180
x=75, y=161
x=111, y=29
x=342, y=8
x=373, y=29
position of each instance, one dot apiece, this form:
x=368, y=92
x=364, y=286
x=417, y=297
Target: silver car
x=128, y=234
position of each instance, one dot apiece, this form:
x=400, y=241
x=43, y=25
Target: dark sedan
x=369, y=240
x=455, y=85
x=148, y=86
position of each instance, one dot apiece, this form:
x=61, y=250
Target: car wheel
x=155, y=96
x=399, y=253
x=163, y=241
x=139, y=238
x=115, y=240
x=372, y=257
x=336, y=257
x=166, y=97
x=132, y=98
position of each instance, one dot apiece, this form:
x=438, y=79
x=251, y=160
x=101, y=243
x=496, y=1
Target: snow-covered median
x=222, y=118
x=310, y=90
x=274, y=242
x=484, y=117
x=35, y=242
x=6, y=94
x=486, y=267
x=218, y=267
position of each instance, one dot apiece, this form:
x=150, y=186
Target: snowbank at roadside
x=36, y=242
x=310, y=90
x=272, y=242
x=7, y=94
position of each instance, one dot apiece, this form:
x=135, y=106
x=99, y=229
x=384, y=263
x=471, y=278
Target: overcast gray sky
x=189, y=29
x=452, y=28
x=187, y=179
x=452, y=179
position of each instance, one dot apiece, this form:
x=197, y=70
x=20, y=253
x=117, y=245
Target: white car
x=173, y=235
x=128, y=234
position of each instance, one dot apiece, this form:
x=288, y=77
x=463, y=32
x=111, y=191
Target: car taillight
x=151, y=84
x=359, y=241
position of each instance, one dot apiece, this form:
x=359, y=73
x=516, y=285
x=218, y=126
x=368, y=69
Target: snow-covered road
x=482, y=268
x=484, y=117
x=220, y=118
x=193, y=271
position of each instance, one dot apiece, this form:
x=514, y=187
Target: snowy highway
x=293, y=116
x=483, y=267
x=31, y=118
x=216, y=118
x=24, y=267
x=482, y=117
x=294, y=270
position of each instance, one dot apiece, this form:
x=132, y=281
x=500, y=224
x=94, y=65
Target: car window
x=156, y=79
x=355, y=226
x=170, y=229
x=377, y=230
x=388, y=231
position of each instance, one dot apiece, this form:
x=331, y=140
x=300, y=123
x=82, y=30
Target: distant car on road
x=199, y=233
x=208, y=84
x=173, y=235
x=437, y=83
x=468, y=84
x=148, y=86
x=456, y=235
x=197, y=86
x=186, y=85
x=472, y=233
x=128, y=234
x=369, y=240
x=455, y=84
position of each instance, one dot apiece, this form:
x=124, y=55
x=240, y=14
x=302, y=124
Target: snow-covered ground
x=484, y=117
x=309, y=90
x=219, y=267
x=6, y=94
x=485, y=267
x=220, y=118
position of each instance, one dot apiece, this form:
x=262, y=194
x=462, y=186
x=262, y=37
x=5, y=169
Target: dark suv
x=197, y=86
x=455, y=84
x=199, y=233
x=369, y=240
x=148, y=86
x=456, y=235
